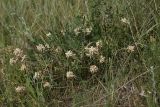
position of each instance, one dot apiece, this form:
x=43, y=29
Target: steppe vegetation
x=79, y=53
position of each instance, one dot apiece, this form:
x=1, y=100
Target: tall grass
x=125, y=32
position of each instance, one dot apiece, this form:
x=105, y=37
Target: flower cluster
x=91, y=51
x=131, y=48
x=86, y=30
x=41, y=47
x=18, y=57
x=37, y=75
x=93, y=69
x=46, y=85
x=70, y=75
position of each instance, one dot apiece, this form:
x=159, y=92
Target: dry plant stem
x=125, y=84
x=153, y=84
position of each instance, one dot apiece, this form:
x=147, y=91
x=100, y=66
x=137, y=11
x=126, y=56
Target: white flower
x=23, y=67
x=46, y=84
x=37, y=75
x=124, y=20
x=93, y=69
x=12, y=61
x=88, y=30
x=48, y=34
x=70, y=75
x=40, y=47
x=18, y=52
x=77, y=30
x=130, y=48
x=102, y=59
x=20, y=89
x=99, y=44
x=69, y=54
x=91, y=51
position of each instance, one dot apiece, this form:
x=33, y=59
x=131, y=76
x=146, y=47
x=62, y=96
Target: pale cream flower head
x=48, y=34
x=70, y=75
x=88, y=30
x=99, y=44
x=93, y=69
x=37, y=75
x=77, y=30
x=102, y=59
x=40, y=47
x=124, y=20
x=69, y=54
x=91, y=51
x=18, y=52
x=20, y=89
x=23, y=67
x=46, y=84
x=130, y=48
x=12, y=61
